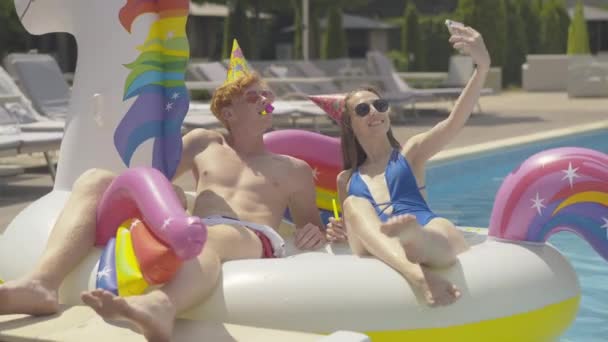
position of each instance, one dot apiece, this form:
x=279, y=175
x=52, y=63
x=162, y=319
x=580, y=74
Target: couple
x=237, y=178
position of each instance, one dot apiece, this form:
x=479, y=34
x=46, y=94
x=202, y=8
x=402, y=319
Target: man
x=242, y=192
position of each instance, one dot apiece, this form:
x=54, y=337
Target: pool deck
x=509, y=118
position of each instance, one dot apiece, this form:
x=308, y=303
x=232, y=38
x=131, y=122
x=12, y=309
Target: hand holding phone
x=451, y=24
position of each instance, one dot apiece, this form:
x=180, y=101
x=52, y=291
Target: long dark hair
x=353, y=154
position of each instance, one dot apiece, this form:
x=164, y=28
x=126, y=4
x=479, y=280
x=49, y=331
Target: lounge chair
x=204, y=118
x=397, y=90
x=41, y=79
x=13, y=141
x=216, y=72
x=15, y=102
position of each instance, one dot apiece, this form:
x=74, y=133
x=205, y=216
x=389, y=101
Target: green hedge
x=578, y=37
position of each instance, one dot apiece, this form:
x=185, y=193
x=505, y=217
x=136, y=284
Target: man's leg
x=154, y=313
x=70, y=241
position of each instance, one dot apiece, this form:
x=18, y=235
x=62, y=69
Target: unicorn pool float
x=127, y=109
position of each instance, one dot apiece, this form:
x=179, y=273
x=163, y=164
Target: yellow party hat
x=238, y=65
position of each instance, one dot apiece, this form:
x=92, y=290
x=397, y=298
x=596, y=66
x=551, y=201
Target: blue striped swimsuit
x=405, y=197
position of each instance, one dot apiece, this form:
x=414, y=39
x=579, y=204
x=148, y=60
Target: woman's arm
x=336, y=229
x=427, y=144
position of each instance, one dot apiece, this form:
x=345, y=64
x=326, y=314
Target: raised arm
x=303, y=208
x=425, y=145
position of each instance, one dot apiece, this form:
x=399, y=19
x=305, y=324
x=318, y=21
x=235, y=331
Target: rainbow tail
x=157, y=80
x=157, y=113
x=552, y=191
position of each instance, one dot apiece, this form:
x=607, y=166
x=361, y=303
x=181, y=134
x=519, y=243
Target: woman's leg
x=70, y=241
x=365, y=237
x=363, y=224
x=435, y=245
x=444, y=242
x=154, y=313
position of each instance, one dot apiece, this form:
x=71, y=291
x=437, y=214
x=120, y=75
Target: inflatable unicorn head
x=127, y=107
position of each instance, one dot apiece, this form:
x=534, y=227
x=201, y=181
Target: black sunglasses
x=362, y=109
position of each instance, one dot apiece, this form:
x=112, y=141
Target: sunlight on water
x=463, y=191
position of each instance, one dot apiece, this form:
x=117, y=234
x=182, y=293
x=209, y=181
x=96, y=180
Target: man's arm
x=303, y=208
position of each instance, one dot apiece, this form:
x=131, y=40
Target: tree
x=318, y=8
x=236, y=26
x=297, y=32
x=530, y=14
x=411, y=45
x=554, y=27
x=488, y=18
x=436, y=50
x=334, y=42
x=578, y=37
x=515, y=49
x=314, y=34
x=13, y=36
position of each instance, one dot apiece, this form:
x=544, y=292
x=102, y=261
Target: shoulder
x=343, y=177
x=203, y=135
x=198, y=139
x=294, y=168
x=411, y=147
x=293, y=164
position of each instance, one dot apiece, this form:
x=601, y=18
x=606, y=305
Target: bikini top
x=405, y=196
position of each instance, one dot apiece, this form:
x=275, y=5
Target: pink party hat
x=332, y=104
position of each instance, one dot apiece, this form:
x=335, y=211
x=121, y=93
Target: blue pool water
x=463, y=191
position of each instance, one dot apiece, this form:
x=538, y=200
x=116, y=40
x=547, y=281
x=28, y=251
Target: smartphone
x=451, y=23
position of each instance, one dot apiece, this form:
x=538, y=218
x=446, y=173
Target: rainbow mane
x=552, y=191
x=157, y=81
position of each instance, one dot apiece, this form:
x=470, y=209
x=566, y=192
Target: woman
x=382, y=186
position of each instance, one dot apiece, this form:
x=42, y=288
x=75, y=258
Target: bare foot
x=436, y=290
x=152, y=314
x=407, y=229
x=27, y=296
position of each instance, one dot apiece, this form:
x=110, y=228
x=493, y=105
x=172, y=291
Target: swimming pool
x=463, y=191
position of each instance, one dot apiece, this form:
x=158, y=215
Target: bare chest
x=222, y=167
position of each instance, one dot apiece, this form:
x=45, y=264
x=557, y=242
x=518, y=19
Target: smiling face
x=368, y=114
x=366, y=117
